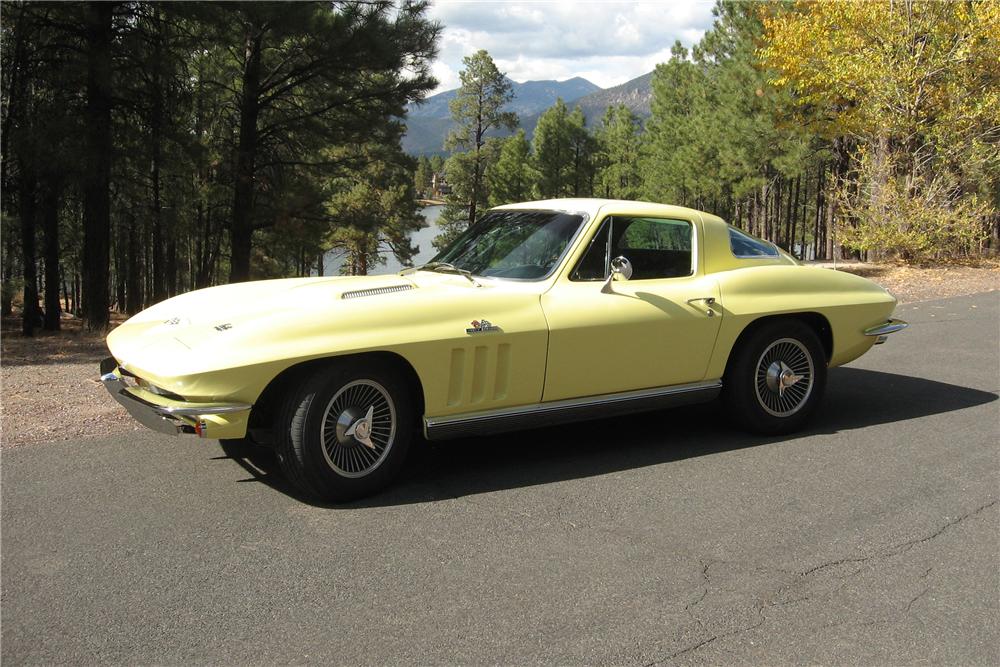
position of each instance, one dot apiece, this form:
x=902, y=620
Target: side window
x=656, y=247
x=594, y=264
x=743, y=245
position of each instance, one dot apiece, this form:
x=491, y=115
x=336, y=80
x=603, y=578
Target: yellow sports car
x=540, y=313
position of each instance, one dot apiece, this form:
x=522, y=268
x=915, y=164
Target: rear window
x=743, y=245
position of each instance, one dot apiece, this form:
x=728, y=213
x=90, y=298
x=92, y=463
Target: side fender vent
x=372, y=291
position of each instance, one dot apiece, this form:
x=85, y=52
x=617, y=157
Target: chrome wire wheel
x=358, y=428
x=784, y=377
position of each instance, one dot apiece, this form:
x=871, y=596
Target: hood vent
x=372, y=291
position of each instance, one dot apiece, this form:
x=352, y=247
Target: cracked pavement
x=661, y=539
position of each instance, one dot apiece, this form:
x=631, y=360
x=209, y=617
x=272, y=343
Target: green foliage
x=476, y=110
x=553, y=148
x=676, y=149
x=512, y=177
x=460, y=169
x=583, y=150
x=375, y=210
x=718, y=127
x=437, y=164
x=891, y=216
x=422, y=176
x=619, y=146
x=914, y=87
x=238, y=131
x=479, y=102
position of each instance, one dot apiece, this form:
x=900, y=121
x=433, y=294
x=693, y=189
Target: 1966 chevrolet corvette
x=540, y=313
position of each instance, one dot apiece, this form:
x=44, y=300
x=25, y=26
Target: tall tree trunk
x=204, y=264
x=839, y=172
x=241, y=232
x=18, y=88
x=29, y=317
x=476, y=173
x=775, y=230
x=7, y=299
x=818, y=233
x=795, y=208
x=170, y=264
x=134, y=294
x=97, y=175
x=121, y=262
x=156, y=208
x=789, y=224
x=65, y=289
x=50, y=223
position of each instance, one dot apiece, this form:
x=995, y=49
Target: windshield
x=515, y=244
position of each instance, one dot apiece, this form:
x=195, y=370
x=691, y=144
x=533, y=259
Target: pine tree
x=583, y=150
x=553, y=148
x=618, y=154
x=375, y=209
x=512, y=178
x=476, y=110
x=422, y=177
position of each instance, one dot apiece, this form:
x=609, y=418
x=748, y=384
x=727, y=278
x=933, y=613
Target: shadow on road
x=855, y=398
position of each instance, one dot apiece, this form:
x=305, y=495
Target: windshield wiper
x=441, y=267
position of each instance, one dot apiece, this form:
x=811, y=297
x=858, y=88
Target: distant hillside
x=428, y=122
x=529, y=97
x=635, y=94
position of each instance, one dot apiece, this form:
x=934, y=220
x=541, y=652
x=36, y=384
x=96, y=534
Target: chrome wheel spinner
x=359, y=426
x=784, y=377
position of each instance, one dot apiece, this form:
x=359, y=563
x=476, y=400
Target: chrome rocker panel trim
x=570, y=410
x=883, y=330
x=168, y=419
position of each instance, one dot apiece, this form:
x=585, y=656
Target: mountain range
x=428, y=122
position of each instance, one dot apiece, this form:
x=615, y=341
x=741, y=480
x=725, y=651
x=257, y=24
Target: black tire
x=324, y=408
x=764, y=396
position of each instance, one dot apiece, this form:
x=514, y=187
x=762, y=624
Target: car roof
x=593, y=206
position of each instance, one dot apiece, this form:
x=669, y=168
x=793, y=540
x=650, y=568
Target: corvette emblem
x=481, y=326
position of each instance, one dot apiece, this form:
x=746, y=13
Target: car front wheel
x=776, y=379
x=345, y=432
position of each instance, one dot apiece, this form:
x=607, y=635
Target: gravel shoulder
x=50, y=389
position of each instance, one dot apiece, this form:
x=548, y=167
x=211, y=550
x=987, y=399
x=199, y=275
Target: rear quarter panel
x=849, y=303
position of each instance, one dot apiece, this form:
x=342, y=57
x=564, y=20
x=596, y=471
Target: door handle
x=708, y=301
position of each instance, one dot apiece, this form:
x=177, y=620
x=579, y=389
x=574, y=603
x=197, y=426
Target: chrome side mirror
x=621, y=269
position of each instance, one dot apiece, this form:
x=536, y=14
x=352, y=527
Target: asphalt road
x=668, y=538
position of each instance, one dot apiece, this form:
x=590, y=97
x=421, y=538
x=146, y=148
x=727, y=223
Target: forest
x=153, y=148
x=838, y=129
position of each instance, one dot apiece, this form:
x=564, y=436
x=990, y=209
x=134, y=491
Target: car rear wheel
x=345, y=432
x=776, y=379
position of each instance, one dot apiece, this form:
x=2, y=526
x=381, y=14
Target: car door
x=654, y=330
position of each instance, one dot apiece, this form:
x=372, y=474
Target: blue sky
x=605, y=41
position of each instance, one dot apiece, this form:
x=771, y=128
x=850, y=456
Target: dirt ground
x=50, y=389
x=917, y=283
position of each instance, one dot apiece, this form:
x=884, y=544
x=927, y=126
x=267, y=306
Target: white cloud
x=607, y=42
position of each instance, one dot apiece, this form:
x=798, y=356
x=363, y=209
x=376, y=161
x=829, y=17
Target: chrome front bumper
x=882, y=331
x=172, y=417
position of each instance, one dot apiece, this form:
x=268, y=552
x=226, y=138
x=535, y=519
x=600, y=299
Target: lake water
x=423, y=239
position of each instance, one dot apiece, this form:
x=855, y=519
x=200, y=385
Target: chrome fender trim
x=569, y=410
x=883, y=330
